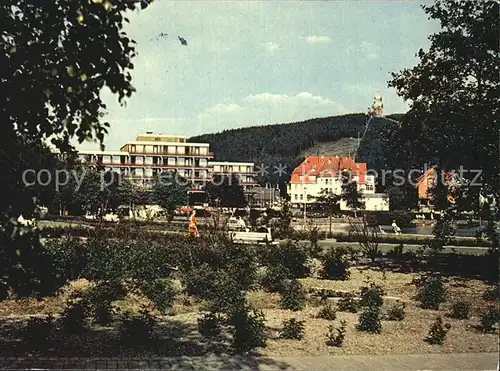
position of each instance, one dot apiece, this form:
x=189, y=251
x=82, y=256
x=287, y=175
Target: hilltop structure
x=318, y=173
x=377, y=108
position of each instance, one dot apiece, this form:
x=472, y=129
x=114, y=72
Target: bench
x=252, y=238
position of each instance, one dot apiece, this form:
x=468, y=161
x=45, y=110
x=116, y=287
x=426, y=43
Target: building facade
x=315, y=174
x=151, y=154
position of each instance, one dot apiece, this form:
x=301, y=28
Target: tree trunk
x=330, y=225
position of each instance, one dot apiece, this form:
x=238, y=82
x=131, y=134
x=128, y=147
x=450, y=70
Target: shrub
x=292, y=295
x=137, y=329
x=99, y=299
x=335, y=336
x=69, y=256
x=396, y=311
x=492, y=293
x=290, y=255
x=348, y=303
x=489, y=319
x=438, y=331
x=369, y=320
x=161, y=292
x=39, y=331
x=273, y=279
x=292, y=329
x=372, y=295
x=335, y=265
x=209, y=325
x=460, y=310
x=249, y=329
x=327, y=312
x=396, y=252
x=73, y=316
x=431, y=292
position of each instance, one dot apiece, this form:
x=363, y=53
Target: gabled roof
x=327, y=166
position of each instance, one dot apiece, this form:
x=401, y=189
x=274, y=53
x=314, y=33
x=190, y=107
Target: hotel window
x=296, y=197
x=132, y=148
x=203, y=162
x=301, y=197
x=171, y=150
x=171, y=161
x=369, y=187
x=204, y=151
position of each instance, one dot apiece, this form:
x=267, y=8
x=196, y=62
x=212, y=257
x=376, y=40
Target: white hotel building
x=151, y=154
x=318, y=173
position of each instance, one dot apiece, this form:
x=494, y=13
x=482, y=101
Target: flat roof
x=148, y=143
x=161, y=135
x=103, y=153
x=231, y=163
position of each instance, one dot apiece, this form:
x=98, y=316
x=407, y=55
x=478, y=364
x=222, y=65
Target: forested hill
x=286, y=144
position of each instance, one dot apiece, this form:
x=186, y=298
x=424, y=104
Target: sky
x=262, y=62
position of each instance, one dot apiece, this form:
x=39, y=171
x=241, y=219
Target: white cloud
x=270, y=46
x=266, y=108
x=318, y=39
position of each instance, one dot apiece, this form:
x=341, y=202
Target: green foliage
x=293, y=295
x=74, y=315
x=336, y=264
x=39, y=331
x=431, y=292
x=290, y=255
x=437, y=332
x=216, y=286
x=460, y=309
x=274, y=277
x=137, y=330
x=292, y=329
x=69, y=256
x=26, y=268
x=489, y=318
x=248, y=329
x=372, y=295
x=336, y=336
x=225, y=191
x=284, y=226
x=369, y=320
x=446, y=106
x=327, y=312
x=170, y=191
x=396, y=312
x=161, y=292
x=328, y=203
x=348, y=303
x=100, y=297
x=209, y=325
x=350, y=193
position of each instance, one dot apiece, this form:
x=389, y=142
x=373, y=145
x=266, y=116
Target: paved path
x=420, y=362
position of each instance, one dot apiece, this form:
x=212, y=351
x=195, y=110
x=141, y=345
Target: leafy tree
x=328, y=202
x=227, y=190
x=350, y=193
x=170, y=191
x=56, y=56
x=453, y=92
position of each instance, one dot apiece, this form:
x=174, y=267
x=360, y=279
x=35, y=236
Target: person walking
x=193, y=229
